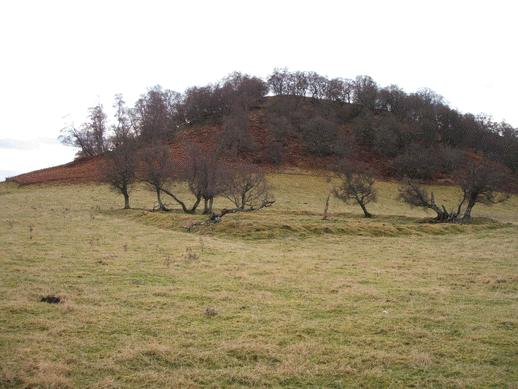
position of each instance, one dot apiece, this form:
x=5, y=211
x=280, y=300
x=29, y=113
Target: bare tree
x=209, y=180
x=483, y=182
x=297, y=84
x=78, y=137
x=119, y=166
x=90, y=138
x=415, y=195
x=122, y=115
x=155, y=114
x=99, y=126
x=357, y=184
x=509, y=136
x=157, y=170
x=203, y=174
x=393, y=99
x=242, y=91
x=200, y=103
x=365, y=92
x=317, y=85
x=246, y=186
x=278, y=81
x=340, y=90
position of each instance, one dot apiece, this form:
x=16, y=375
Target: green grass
x=302, y=302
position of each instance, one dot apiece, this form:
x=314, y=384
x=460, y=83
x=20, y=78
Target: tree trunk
x=126, y=200
x=471, y=204
x=160, y=204
x=206, y=207
x=367, y=213
x=326, y=208
x=243, y=201
x=195, y=205
x=182, y=204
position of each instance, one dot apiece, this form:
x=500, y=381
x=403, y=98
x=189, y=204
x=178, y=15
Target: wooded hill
x=303, y=120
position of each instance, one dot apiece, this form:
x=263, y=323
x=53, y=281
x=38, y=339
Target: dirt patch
x=50, y=299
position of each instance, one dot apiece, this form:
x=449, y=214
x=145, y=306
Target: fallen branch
x=216, y=217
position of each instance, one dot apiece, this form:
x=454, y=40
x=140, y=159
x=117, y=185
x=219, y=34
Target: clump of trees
x=90, y=137
x=159, y=113
x=201, y=171
x=479, y=182
x=418, y=131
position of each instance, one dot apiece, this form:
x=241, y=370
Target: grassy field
x=300, y=302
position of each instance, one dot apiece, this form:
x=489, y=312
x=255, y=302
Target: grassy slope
x=348, y=302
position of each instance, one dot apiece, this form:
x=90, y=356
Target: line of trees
x=479, y=181
x=202, y=171
x=207, y=177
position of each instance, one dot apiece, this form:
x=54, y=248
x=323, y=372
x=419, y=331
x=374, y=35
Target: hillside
x=292, y=156
x=290, y=133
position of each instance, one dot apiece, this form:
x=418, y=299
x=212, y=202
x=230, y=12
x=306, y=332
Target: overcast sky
x=60, y=57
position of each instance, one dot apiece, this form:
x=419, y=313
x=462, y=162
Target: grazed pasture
x=300, y=302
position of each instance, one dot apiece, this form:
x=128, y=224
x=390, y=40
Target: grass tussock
x=298, y=301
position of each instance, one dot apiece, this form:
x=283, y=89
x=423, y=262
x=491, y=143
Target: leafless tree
x=297, y=84
x=201, y=103
x=393, y=99
x=509, y=137
x=357, y=184
x=119, y=166
x=365, y=92
x=90, y=138
x=485, y=183
x=416, y=196
x=242, y=91
x=155, y=114
x=339, y=90
x=246, y=186
x=418, y=162
x=98, y=125
x=122, y=117
x=317, y=85
x=480, y=182
x=78, y=137
x=204, y=175
x=157, y=170
x=278, y=81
